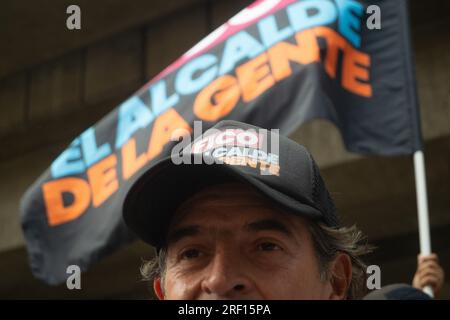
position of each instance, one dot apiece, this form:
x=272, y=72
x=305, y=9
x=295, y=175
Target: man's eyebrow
x=269, y=225
x=182, y=232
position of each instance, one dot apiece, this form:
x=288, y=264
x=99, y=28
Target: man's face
x=229, y=243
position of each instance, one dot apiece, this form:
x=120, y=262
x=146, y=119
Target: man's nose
x=225, y=277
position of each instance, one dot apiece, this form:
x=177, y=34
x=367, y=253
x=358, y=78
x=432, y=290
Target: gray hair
x=328, y=243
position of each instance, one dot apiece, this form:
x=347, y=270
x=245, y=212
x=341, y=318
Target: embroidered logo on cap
x=236, y=147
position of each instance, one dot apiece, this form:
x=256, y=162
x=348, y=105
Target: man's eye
x=268, y=246
x=190, y=254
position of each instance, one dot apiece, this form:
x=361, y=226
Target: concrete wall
x=49, y=97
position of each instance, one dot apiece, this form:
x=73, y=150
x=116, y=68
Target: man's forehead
x=226, y=212
x=223, y=202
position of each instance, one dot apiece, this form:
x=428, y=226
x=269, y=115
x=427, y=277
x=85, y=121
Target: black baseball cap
x=275, y=166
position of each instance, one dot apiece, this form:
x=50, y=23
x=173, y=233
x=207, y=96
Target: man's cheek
x=314, y=287
x=180, y=287
x=300, y=281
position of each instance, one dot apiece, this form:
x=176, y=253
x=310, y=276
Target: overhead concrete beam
x=35, y=31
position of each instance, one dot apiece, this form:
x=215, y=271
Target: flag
x=276, y=64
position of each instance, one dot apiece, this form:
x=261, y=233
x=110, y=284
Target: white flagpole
x=422, y=208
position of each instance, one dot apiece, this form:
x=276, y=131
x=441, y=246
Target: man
x=245, y=223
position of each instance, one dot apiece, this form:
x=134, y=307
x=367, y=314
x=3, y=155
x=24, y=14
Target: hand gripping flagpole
x=422, y=209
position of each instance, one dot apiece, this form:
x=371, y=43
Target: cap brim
x=155, y=196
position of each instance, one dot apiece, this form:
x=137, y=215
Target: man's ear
x=157, y=287
x=341, y=276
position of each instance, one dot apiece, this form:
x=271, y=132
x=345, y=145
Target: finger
x=430, y=273
x=430, y=281
x=436, y=276
x=432, y=257
x=428, y=265
x=432, y=269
